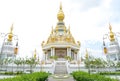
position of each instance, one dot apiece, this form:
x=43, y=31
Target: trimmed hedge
x=109, y=73
x=38, y=76
x=83, y=76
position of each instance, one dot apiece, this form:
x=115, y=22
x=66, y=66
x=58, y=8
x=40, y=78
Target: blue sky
x=89, y=21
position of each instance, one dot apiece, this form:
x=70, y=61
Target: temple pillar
x=78, y=56
x=46, y=56
x=51, y=51
x=68, y=51
x=75, y=55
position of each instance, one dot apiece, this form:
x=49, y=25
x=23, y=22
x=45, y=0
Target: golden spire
x=10, y=35
x=52, y=30
x=111, y=33
x=60, y=14
x=69, y=30
x=35, y=54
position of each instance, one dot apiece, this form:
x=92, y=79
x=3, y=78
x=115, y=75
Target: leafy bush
x=38, y=76
x=12, y=73
x=109, y=73
x=8, y=73
x=83, y=76
x=54, y=57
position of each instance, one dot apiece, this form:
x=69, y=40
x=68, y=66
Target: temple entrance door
x=60, y=52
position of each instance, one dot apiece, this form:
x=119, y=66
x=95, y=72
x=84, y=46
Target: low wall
x=26, y=68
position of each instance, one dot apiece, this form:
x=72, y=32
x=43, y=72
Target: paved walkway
x=60, y=78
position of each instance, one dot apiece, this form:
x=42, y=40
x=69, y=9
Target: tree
x=32, y=62
x=6, y=61
x=18, y=62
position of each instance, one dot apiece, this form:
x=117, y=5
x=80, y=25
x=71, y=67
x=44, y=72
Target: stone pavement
x=60, y=77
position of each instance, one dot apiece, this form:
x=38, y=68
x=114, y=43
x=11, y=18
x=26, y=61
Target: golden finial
x=60, y=5
x=60, y=14
x=69, y=30
x=111, y=33
x=79, y=43
x=52, y=30
x=10, y=35
x=110, y=27
x=35, y=53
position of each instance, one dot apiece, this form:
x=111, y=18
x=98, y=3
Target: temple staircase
x=60, y=67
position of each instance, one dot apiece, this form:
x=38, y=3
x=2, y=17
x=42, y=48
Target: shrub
x=83, y=76
x=38, y=76
x=109, y=73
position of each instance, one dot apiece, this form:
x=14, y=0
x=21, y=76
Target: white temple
x=61, y=43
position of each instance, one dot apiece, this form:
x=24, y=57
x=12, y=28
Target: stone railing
x=26, y=68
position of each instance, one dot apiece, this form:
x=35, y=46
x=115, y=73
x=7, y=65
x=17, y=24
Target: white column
x=53, y=51
x=68, y=51
x=78, y=56
x=74, y=56
x=45, y=55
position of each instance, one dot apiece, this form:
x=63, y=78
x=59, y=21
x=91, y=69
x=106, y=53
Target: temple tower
x=61, y=43
x=9, y=49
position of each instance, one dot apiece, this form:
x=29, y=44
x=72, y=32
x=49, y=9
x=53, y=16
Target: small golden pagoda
x=61, y=43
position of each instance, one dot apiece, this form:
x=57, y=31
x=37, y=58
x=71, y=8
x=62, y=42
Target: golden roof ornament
x=78, y=42
x=112, y=38
x=10, y=35
x=60, y=15
x=52, y=30
x=69, y=30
